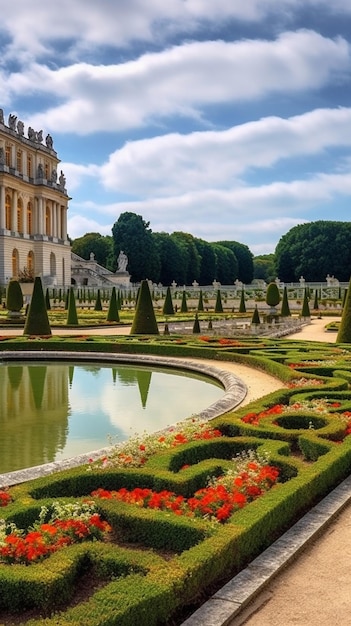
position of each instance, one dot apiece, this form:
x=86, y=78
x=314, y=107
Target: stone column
x=64, y=222
x=14, y=210
x=40, y=216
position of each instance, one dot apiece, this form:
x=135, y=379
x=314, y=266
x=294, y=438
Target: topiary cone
x=184, y=305
x=218, y=305
x=144, y=322
x=98, y=304
x=168, y=308
x=72, y=318
x=200, y=304
x=37, y=321
x=112, y=314
x=344, y=333
x=255, y=316
x=196, y=326
x=242, y=305
x=305, y=312
x=285, y=310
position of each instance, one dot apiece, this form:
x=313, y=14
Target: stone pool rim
x=235, y=390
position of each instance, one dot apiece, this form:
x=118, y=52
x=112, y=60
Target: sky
x=225, y=119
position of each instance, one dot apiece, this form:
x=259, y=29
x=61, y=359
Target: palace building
x=33, y=207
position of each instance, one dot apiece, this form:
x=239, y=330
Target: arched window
x=19, y=215
x=8, y=211
x=52, y=264
x=29, y=218
x=30, y=263
x=47, y=221
x=15, y=263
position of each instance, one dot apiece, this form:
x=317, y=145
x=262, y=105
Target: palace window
x=19, y=161
x=29, y=218
x=30, y=263
x=15, y=263
x=8, y=156
x=29, y=166
x=47, y=221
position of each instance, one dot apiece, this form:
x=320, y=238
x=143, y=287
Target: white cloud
x=178, y=163
x=179, y=81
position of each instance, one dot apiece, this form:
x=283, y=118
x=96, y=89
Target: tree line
x=311, y=250
x=164, y=258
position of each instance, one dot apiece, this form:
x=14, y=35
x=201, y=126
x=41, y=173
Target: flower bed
x=182, y=516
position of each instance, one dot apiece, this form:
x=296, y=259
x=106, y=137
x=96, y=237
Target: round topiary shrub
x=272, y=296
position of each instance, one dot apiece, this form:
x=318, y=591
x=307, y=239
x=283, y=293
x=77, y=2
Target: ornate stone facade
x=33, y=207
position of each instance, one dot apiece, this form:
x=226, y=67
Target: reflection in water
x=58, y=410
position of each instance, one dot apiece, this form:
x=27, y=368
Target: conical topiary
x=315, y=303
x=47, y=300
x=98, y=303
x=200, y=304
x=112, y=313
x=242, y=305
x=285, y=310
x=66, y=300
x=14, y=296
x=72, y=318
x=210, y=326
x=168, y=308
x=344, y=333
x=166, y=330
x=144, y=322
x=37, y=321
x=184, y=305
x=196, y=326
x=218, y=305
x=305, y=312
x=255, y=316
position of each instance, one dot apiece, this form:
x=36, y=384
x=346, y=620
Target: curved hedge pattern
x=158, y=563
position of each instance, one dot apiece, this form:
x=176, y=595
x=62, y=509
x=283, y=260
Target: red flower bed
x=5, y=498
x=218, y=501
x=254, y=418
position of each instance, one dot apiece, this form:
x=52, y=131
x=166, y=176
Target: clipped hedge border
x=148, y=588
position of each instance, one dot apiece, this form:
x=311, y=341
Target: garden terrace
x=174, y=537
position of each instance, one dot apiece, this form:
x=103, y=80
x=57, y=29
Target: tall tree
x=226, y=264
x=172, y=266
x=207, y=261
x=192, y=257
x=132, y=235
x=245, y=260
x=102, y=248
x=315, y=250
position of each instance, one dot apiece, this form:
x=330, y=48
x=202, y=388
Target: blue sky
x=221, y=118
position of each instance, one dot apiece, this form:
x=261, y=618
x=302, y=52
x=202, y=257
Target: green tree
x=170, y=252
x=226, y=264
x=315, y=250
x=244, y=258
x=144, y=321
x=207, y=261
x=37, y=321
x=101, y=246
x=264, y=267
x=132, y=235
x=191, y=257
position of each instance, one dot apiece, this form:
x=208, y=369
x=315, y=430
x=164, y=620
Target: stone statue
x=31, y=134
x=40, y=173
x=54, y=176
x=20, y=128
x=122, y=262
x=39, y=136
x=49, y=142
x=62, y=180
x=12, y=121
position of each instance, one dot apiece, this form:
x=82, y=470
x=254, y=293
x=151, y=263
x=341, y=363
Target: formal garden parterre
x=144, y=534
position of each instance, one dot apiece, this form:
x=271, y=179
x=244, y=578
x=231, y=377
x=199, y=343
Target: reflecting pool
x=55, y=411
